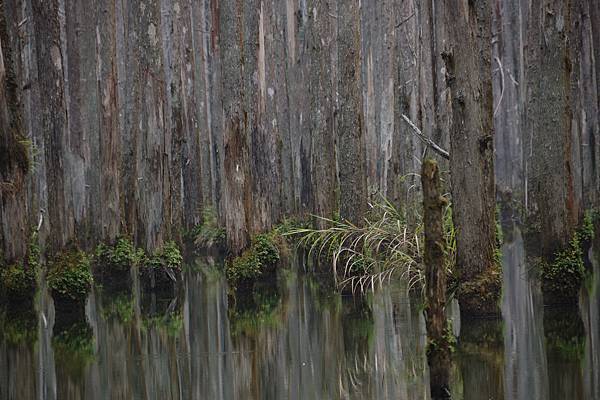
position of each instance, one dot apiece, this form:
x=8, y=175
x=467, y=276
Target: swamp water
x=295, y=340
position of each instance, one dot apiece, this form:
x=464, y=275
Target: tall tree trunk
x=320, y=80
x=549, y=144
x=438, y=351
x=353, y=191
x=14, y=155
x=468, y=70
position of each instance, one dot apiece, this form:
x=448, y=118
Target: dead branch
x=426, y=140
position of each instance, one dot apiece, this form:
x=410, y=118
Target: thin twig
x=502, y=81
x=404, y=20
x=426, y=140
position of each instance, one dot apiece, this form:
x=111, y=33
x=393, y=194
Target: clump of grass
x=69, y=277
x=120, y=256
x=386, y=244
x=209, y=234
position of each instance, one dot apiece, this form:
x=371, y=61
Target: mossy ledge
x=18, y=281
x=69, y=277
x=563, y=276
x=260, y=260
x=162, y=269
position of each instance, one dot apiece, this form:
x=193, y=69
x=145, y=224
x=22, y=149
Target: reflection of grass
x=254, y=311
x=323, y=290
x=358, y=324
x=18, y=326
x=74, y=347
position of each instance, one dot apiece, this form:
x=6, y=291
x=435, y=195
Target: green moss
x=262, y=254
x=120, y=256
x=19, y=280
x=208, y=234
x=69, y=277
x=481, y=295
x=448, y=341
x=563, y=276
x=167, y=256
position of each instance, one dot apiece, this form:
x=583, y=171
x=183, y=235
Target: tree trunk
x=353, y=191
x=468, y=72
x=438, y=351
x=14, y=156
x=549, y=144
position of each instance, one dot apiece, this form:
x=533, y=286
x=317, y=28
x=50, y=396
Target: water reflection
x=525, y=367
x=293, y=339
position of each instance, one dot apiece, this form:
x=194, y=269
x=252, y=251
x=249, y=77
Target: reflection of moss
x=172, y=323
x=119, y=307
x=482, y=333
x=18, y=325
x=69, y=276
x=565, y=334
x=73, y=346
x=254, y=310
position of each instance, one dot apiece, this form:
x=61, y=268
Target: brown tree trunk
x=438, y=351
x=468, y=72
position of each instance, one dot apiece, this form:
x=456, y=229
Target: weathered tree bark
x=438, y=351
x=550, y=142
x=321, y=112
x=50, y=64
x=14, y=155
x=468, y=70
x=351, y=163
x=141, y=115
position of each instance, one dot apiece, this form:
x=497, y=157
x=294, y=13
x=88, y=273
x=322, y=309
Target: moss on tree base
x=563, y=276
x=69, y=278
x=480, y=297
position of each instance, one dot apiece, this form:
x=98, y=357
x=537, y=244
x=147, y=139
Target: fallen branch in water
x=426, y=140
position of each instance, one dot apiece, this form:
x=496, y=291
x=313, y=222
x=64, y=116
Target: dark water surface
x=295, y=340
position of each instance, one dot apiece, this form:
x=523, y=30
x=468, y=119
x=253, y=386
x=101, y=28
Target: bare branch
x=426, y=140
